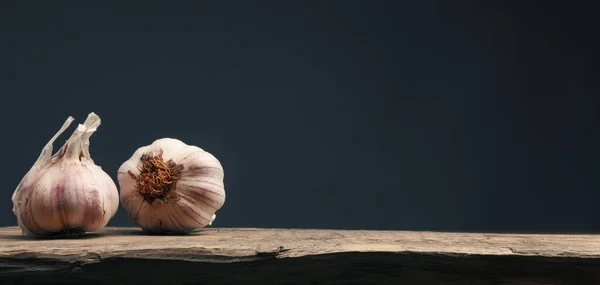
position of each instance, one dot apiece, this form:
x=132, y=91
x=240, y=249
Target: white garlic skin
x=66, y=194
x=193, y=202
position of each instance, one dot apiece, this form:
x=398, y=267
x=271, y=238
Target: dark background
x=406, y=115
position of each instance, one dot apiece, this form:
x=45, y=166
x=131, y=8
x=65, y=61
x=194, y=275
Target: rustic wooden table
x=297, y=256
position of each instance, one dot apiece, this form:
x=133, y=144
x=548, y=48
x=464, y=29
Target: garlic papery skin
x=171, y=187
x=66, y=194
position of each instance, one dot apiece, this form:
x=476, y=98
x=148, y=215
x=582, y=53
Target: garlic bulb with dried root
x=171, y=187
x=66, y=194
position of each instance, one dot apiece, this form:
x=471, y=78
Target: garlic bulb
x=66, y=194
x=171, y=187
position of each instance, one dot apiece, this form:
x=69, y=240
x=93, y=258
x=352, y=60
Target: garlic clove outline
x=171, y=187
x=66, y=194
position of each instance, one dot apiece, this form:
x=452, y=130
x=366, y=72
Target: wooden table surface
x=300, y=256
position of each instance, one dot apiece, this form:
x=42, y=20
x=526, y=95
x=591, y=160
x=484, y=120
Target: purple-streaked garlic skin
x=198, y=194
x=66, y=193
x=69, y=197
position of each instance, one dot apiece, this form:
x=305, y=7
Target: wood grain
x=300, y=256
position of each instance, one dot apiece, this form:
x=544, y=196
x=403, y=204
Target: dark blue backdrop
x=437, y=115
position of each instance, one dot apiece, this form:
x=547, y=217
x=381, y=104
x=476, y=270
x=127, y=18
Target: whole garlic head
x=66, y=194
x=171, y=187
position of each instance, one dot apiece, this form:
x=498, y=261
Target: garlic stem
x=47, y=150
x=92, y=122
x=74, y=146
x=78, y=145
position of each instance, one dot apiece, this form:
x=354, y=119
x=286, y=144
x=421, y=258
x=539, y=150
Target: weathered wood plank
x=300, y=256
